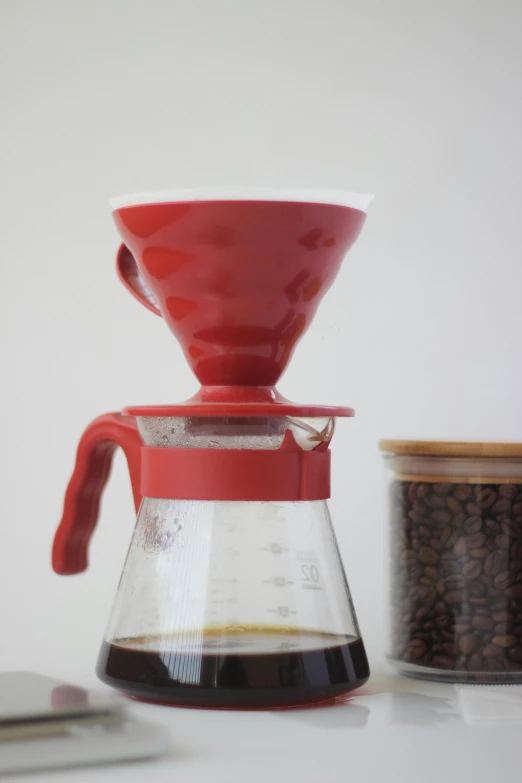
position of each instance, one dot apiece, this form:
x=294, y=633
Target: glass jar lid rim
x=444, y=448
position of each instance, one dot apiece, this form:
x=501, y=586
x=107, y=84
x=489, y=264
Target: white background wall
x=419, y=102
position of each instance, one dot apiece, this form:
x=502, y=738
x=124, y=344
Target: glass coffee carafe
x=233, y=593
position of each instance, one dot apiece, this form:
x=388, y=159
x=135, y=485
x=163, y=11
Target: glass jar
x=455, y=560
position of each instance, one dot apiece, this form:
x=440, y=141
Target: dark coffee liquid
x=273, y=668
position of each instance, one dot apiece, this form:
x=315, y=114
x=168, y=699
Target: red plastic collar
x=235, y=474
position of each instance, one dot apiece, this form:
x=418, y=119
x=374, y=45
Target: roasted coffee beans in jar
x=456, y=560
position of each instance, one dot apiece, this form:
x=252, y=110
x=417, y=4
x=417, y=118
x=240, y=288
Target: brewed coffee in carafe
x=233, y=593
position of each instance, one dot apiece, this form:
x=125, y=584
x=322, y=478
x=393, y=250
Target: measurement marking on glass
x=278, y=581
x=276, y=549
x=282, y=611
x=311, y=577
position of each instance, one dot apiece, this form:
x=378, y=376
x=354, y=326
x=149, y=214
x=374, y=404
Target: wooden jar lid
x=440, y=448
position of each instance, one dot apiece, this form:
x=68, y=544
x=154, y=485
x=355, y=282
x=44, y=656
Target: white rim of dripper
x=341, y=198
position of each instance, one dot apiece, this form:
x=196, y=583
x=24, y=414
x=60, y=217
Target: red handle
x=91, y=471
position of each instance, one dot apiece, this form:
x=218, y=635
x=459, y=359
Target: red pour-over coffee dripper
x=237, y=281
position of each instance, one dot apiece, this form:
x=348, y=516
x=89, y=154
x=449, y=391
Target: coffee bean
x=508, y=529
x=427, y=594
x=515, y=653
x=416, y=572
x=468, y=643
x=435, y=544
x=490, y=651
x=502, y=506
x=455, y=581
x=450, y=648
x=494, y=664
x=431, y=573
x=504, y=580
x=428, y=556
x=505, y=640
x=423, y=490
x=475, y=662
x=443, y=621
x=412, y=492
x=443, y=661
x=479, y=601
x=476, y=589
x=436, y=501
x=483, y=610
x=420, y=507
x=486, y=497
x=453, y=596
x=473, y=524
x=441, y=586
x=463, y=492
x=408, y=559
x=445, y=537
x=491, y=527
x=508, y=491
x=481, y=552
x=473, y=509
x=517, y=509
x=514, y=592
x=495, y=563
x=502, y=628
x=451, y=566
x=417, y=648
x=502, y=541
x=502, y=617
x=458, y=520
x=462, y=628
x=472, y=569
x=454, y=504
x=461, y=547
x=442, y=516
x=442, y=488
x=482, y=623
x=415, y=516
x=476, y=540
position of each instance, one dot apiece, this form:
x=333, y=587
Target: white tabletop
x=393, y=729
